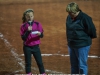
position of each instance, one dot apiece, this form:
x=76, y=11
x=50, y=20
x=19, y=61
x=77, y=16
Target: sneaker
x=29, y=74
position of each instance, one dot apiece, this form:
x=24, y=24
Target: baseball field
x=52, y=15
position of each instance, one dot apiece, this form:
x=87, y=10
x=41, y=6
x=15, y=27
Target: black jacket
x=80, y=31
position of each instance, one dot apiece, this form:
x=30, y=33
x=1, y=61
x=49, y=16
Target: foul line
x=64, y=55
x=18, y=59
x=21, y=62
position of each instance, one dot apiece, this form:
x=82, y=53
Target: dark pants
x=35, y=50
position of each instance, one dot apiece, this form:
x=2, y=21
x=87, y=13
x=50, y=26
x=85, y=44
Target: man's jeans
x=78, y=60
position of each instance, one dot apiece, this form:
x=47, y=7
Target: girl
x=31, y=32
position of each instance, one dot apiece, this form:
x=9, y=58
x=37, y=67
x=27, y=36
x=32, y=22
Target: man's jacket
x=80, y=31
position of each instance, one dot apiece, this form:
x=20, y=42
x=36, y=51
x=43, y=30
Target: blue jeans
x=78, y=60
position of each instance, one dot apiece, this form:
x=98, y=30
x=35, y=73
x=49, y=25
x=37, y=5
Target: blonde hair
x=25, y=12
x=72, y=7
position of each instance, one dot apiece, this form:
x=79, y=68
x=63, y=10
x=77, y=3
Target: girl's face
x=29, y=16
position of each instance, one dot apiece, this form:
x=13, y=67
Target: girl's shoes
x=29, y=74
x=44, y=74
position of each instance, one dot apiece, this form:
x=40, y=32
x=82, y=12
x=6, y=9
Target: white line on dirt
x=21, y=62
x=64, y=55
x=16, y=56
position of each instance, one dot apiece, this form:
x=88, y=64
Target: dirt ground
x=52, y=15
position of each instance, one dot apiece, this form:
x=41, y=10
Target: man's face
x=73, y=15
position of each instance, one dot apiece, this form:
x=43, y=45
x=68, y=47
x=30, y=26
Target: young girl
x=31, y=32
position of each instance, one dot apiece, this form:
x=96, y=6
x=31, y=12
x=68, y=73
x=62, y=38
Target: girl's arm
x=25, y=35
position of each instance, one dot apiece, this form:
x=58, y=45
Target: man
x=80, y=31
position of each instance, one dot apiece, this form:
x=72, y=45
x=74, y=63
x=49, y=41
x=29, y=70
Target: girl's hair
x=25, y=12
x=72, y=7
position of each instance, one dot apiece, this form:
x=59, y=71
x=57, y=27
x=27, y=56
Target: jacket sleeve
x=90, y=27
x=41, y=30
x=41, y=36
x=25, y=35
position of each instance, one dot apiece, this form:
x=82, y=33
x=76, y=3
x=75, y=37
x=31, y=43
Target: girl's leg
x=74, y=61
x=38, y=58
x=27, y=53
